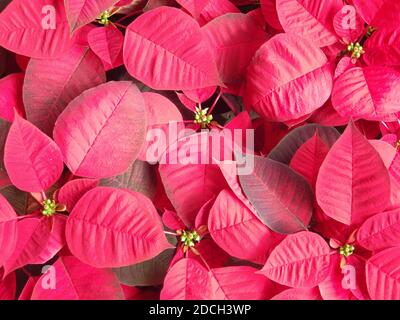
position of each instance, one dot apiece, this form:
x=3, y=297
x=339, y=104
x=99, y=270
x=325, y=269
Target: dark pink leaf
x=309, y=157
x=8, y=230
x=77, y=281
x=107, y=43
x=240, y=283
x=300, y=260
x=36, y=29
x=282, y=86
x=353, y=183
x=186, y=280
x=369, y=93
x=309, y=19
x=97, y=121
x=238, y=231
x=8, y=286
x=234, y=38
x=383, y=275
x=288, y=146
x=26, y=293
x=73, y=190
x=82, y=12
x=172, y=221
x=33, y=161
x=270, y=14
x=113, y=228
x=11, y=95
x=380, y=231
x=61, y=80
x=282, y=198
x=176, y=58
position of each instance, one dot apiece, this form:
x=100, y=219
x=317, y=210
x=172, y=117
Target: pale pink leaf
x=109, y=118
x=10, y=95
x=106, y=43
x=61, y=80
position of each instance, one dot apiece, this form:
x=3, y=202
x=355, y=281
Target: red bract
x=199, y=149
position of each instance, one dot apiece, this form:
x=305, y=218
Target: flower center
x=346, y=250
x=355, y=49
x=202, y=118
x=189, y=239
x=49, y=207
x=103, y=18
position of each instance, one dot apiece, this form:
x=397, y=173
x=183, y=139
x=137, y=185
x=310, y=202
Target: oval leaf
x=37, y=29
x=77, y=281
x=301, y=260
x=288, y=78
x=176, y=58
x=113, y=228
x=370, y=93
x=380, y=231
x=282, y=198
x=61, y=80
x=98, y=121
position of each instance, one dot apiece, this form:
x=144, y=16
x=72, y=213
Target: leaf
x=288, y=146
x=163, y=117
x=238, y=231
x=233, y=38
x=8, y=287
x=147, y=273
x=82, y=12
x=380, y=231
x=186, y=280
x=98, y=120
x=33, y=161
x=206, y=10
x=10, y=98
x=383, y=277
x=370, y=10
x=8, y=230
x=383, y=47
x=282, y=198
x=77, y=281
x=206, y=180
x=240, y=283
x=299, y=294
x=176, y=58
x=300, y=260
x=270, y=14
x=140, y=177
x=369, y=93
x=61, y=80
x=353, y=183
x=309, y=19
x=26, y=28
x=288, y=78
x=348, y=24
x=106, y=43
x=114, y=228
x=309, y=157
x=70, y=193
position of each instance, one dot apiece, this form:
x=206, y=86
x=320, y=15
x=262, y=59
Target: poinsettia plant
x=199, y=149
